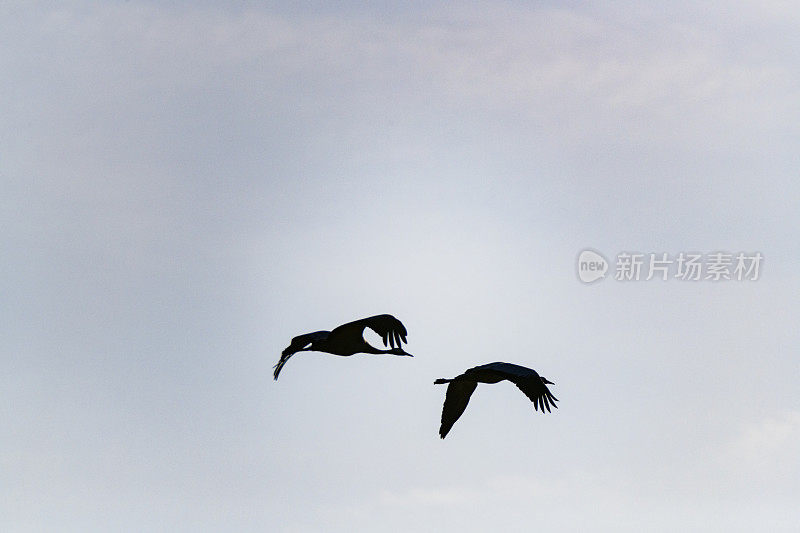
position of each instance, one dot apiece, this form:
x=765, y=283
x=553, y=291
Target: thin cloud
x=766, y=447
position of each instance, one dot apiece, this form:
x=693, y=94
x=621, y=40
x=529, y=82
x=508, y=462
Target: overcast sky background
x=187, y=186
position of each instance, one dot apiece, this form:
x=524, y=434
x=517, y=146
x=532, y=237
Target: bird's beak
x=548, y=382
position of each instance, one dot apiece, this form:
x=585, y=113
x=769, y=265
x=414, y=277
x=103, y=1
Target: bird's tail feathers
x=285, y=357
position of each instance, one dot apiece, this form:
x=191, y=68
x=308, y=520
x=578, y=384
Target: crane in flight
x=461, y=387
x=348, y=339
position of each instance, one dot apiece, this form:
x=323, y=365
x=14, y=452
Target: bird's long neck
x=368, y=348
x=372, y=349
x=392, y=351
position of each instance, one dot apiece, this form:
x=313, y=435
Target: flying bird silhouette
x=461, y=387
x=348, y=339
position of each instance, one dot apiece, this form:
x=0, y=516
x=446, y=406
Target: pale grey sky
x=188, y=185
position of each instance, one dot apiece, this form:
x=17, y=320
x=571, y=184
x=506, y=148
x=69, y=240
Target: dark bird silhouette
x=348, y=339
x=461, y=387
